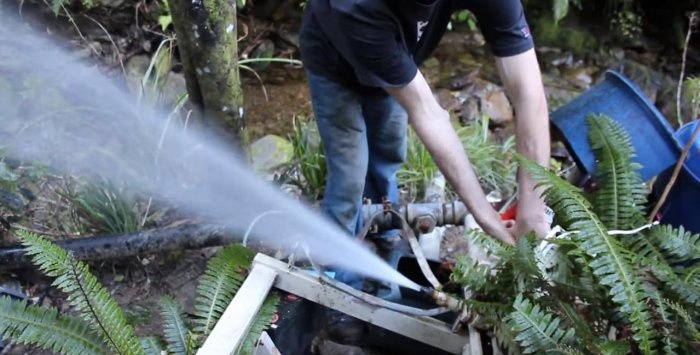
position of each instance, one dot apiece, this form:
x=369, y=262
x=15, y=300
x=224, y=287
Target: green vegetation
x=547, y=30
x=103, y=207
x=492, y=162
x=308, y=169
x=100, y=326
x=592, y=290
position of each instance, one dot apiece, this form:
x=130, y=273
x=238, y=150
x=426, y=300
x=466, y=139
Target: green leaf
x=506, y=338
x=8, y=178
x=621, y=194
x=538, y=331
x=611, y=262
x=165, y=21
x=219, y=283
x=152, y=346
x=45, y=328
x=611, y=347
x=175, y=327
x=92, y=301
x=687, y=321
x=651, y=256
x=560, y=9
x=678, y=244
x=262, y=322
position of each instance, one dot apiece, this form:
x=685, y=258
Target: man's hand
x=433, y=126
x=523, y=81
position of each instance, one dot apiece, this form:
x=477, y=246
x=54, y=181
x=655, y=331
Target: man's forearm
x=523, y=82
x=432, y=124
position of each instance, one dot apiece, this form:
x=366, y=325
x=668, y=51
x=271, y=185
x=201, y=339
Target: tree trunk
x=207, y=35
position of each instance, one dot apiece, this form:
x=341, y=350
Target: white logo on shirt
x=420, y=27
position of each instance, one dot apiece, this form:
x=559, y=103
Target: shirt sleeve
x=369, y=41
x=503, y=24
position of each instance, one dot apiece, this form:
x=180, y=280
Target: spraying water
x=73, y=118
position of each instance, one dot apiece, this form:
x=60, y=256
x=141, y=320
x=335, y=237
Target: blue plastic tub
x=683, y=202
x=621, y=100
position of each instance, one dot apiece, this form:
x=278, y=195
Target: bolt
x=425, y=223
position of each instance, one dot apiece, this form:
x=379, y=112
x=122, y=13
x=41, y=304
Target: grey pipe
x=424, y=216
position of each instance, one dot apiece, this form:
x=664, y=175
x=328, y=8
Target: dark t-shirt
x=380, y=43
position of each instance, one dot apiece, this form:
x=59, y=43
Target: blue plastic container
x=617, y=97
x=682, y=206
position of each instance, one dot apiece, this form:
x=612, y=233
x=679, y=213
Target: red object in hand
x=510, y=214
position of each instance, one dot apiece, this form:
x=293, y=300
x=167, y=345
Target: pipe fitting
x=425, y=223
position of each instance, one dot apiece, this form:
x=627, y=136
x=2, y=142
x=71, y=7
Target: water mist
x=68, y=115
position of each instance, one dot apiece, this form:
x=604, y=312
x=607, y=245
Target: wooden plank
x=424, y=329
x=231, y=329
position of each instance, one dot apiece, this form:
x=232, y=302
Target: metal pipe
x=443, y=299
x=442, y=214
x=376, y=301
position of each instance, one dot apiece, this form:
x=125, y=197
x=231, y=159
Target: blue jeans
x=364, y=140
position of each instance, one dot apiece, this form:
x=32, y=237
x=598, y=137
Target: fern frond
x=175, y=327
x=621, y=194
x=612, y=264
x=573, y=276
x=217, y=286
x=506, y=339
x=539, y=332
x=45, y=328
x=524, y=259
x=152, y=346
x=688, y=323
x=580, y=325
x=612, y=347
x=669, y=344
x=262, y=322
x=85, y=293
x=678, y=244
x=486, y=242
x=654, y=258
x=470, y=274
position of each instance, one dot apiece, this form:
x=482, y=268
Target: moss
x=569, y=38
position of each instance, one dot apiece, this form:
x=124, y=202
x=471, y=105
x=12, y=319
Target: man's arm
x=521, y=76
x=433, y=126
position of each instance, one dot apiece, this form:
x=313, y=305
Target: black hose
x=117, y=246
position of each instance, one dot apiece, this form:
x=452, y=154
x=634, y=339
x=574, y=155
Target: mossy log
x=207, y=35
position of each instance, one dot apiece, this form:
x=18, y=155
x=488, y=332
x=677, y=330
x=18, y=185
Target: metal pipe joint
x=421, y=216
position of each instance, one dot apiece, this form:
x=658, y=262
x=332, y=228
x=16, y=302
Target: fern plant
x=594, y=292
x=100, y=326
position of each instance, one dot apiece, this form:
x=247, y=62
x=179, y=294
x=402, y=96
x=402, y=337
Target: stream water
x=74, y=119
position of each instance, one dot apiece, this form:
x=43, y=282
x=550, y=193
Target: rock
x=270, y=152
x=266, y=49
x=484, y=97
x=558, y=91
x=580, y=77
x=173, y=87
x=447, y=99
x=494, y=103
x=469, y=110
x=136, y=68
x=460, y=81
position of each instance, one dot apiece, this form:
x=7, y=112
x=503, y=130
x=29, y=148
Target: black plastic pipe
x=117, y=246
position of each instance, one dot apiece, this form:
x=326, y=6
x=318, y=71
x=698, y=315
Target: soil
x=274, y=114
